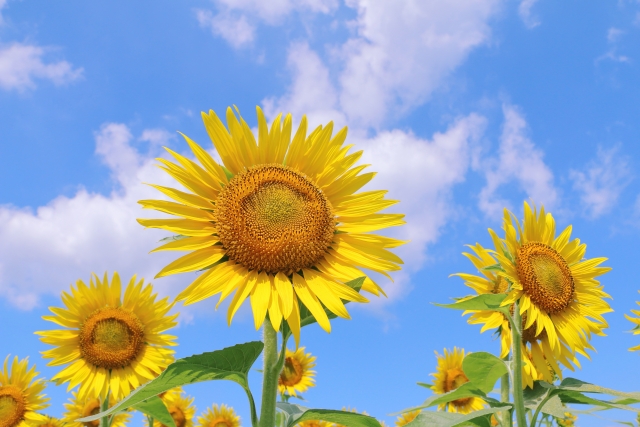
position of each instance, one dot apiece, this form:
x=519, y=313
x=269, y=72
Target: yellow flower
x=406, y=418
x=448, y=377
x=313, y=423
x=84, y=407
x=296, y=375
x=50, y=422
x=219, y=416
x=636, y=321
x=110, y=342
x=568, y=421
x=21, y=394
x=560, y=300
x=180, y=407
x=280, y=221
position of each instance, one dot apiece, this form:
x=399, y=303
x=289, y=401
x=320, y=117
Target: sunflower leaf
x=483, y=370
x=489, y=302
x=231, y=363
x=481, y=418
x=154, y=407
x=584, y=387
x=576, y=397
x=466, y=390
x=296, y=414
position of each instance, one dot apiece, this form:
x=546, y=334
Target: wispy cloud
x=21, y=64
x=527, y=16
x=518, y=160
x=236, y=30
x=602, y=180
x=613, y=37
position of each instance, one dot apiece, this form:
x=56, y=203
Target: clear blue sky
x=463, y=107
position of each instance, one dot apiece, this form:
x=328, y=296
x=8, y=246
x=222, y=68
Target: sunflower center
x=91, y=407
x=545, y=276
x=291, y=372
x=111, y=338
x=273, y=219
x=178, y=416
x=12, y=406
x=455, y=378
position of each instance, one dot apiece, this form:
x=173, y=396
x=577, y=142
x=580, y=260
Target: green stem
x=270, y=377
x=539, y=408
x=516, y=351
x=507, y=419
x=104, y=405
x=252, y=405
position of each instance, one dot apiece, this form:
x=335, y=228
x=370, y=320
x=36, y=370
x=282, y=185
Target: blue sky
x=463, y=107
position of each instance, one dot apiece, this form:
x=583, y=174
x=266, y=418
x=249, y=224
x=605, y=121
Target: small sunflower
x=313, y=423
x=448, y=377
x=636, y=321
x=84, y=407
x=406, y=418
x=110, y=342
x=569, y=420
x=21, y=394
x=280, y=221
x=180, y=407
x=296, y=375
x=561, y=302
x=219, y=416
x=51, y=422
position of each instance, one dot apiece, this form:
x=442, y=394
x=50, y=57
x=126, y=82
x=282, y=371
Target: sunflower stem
x=270, y=377
x=516, y=351
x=507, y=418
x=104, y=405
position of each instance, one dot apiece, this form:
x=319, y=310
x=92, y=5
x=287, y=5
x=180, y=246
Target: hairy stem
x=270, y=377
x=507, y=419
x=516, y=351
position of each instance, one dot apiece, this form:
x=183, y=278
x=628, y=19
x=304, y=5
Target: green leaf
x=462, y=392
x=484, y=369
x=232, y=363
x=481, y=418
x=584, y=387
x=297, y=414
x=568, y=396
x=154, y=407
x=553, y=406
x=489, y=302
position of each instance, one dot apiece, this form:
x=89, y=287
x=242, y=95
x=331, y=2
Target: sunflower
x=560, y=301
x=84, y=407
x=407, y=417
x=569, y=420
x=219, y=416
x=448, y=377
x=280, y=221
x=21, y=394
x=492, y=283
x=296, y=375
x=50, y=422
x=313, y=423
x=110, y=342
x=636, y=321
x=180, y=407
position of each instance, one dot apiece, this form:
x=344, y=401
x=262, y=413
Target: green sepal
x=155, y=407
x=425, y=385
x=295, y=414
x=481, y=418
x=231, y=363
x=494, y=267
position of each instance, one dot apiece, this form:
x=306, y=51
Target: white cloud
x=44, y=250
x=157, y=137
x=524, y=10
x=3, y=3
x=518, y=160
x=613, y=37
x=21, y=63
x=236, y=30
x=602, y=181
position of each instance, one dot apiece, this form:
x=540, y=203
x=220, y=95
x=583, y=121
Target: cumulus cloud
x=45, y=249
x=528, y=18
x=236, y=30
x=602, y=181
x=21, y=64
x=518, y=160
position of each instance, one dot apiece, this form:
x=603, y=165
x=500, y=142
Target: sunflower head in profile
x=280, y=221
x=219, y=416
x=50, y=422
x=110, y=341
x=406, y=418
x=296, y=375
x=78, y=407
x=635, y=319
x=180, y=406
x=560, y=301
x=448, y=377
x=21, y=394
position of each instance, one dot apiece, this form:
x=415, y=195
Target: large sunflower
x=84, y=407
x=219, y=416
x=296, y=375
x=492, y=283
x=180, y=406
x=50, y=422
x=448, y=377
x=636, y=321
x=279, y=221
x=21, y=395
x=560, y=301
x=406, y=418
x=110, y=342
